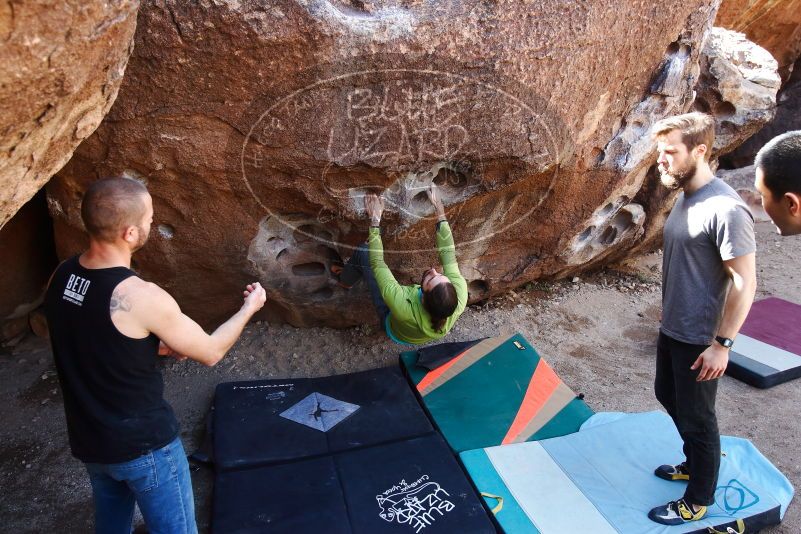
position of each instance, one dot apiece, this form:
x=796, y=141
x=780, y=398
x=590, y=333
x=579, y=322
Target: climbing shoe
x=336, y=271
x=673, y=472
x=676, y=513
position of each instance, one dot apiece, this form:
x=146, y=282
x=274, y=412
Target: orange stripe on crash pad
x=542, y=385
x=438, y=372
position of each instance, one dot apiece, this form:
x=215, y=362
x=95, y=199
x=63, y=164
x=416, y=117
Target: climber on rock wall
x=417, y=313
x=778, y=180
x=107, y=328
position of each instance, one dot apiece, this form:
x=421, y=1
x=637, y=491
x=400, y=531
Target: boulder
x=788, y=117
x=61, y=64
x=27, y=256
x=259, y=128
x=738, y=86
x=773, y=24
x=742, y=181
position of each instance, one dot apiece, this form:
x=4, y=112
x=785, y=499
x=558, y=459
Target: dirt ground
x=599, y=334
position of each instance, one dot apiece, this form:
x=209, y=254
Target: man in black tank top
x=106, y=325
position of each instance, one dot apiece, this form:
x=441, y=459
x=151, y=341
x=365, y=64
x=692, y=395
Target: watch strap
x=725, y=341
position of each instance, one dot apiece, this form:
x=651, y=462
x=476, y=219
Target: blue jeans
x=158, y=482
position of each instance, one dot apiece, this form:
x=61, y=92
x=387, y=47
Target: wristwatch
x=725, y=341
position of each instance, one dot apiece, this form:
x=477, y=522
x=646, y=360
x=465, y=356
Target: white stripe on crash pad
x=548, y=497
x=751, y=348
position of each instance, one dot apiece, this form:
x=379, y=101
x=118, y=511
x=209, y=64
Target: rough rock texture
x=61, y=64
x=788, y=117
x=27, y=256
x=259, y=126
x=738, y=85
x=772, y=24
x=742, y=180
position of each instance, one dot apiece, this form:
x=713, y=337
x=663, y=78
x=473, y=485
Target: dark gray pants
x=691, y=404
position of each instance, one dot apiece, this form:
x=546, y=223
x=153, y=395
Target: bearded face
x=676, y=163
x=144, y=224
x=676, y=177
x=144, y=233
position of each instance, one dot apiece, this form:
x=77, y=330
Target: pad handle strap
x=499, y=506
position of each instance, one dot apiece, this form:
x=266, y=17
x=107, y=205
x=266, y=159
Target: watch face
x=726, y=342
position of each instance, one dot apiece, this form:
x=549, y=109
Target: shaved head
x=111, y=205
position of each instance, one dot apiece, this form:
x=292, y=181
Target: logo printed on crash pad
x=417, y=504
x=319, y=412
x=735, y=497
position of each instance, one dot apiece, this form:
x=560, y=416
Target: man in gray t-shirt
x=704, y=229
x=708, y=285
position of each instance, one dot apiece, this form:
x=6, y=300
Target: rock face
x=738, y=86
x=775, y=25
x=742, y=180
x=259, y=127
x=772, y=24
x=788, y=117
x=27, y=256
x=61, y=65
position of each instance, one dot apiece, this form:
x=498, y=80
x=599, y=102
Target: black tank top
x=112, y=384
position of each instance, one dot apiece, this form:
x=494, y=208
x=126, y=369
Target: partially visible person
x=105, y=325
x=418, y=313
x=708, y=285
x=778, y=180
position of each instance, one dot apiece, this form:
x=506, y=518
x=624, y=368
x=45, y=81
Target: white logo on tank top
x=76, y=289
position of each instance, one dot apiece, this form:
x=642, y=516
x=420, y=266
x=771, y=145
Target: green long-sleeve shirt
x=408, y=320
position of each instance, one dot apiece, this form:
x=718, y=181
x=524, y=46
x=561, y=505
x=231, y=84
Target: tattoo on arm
x=119, y=302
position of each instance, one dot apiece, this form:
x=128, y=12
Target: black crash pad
x=320, y=416
x=414, y=486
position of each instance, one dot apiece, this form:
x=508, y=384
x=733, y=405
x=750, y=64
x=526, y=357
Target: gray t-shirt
x=703, y=230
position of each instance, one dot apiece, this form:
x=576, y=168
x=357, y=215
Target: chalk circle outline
x=538, y=116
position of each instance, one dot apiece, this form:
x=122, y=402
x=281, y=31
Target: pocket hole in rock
x=451, y=183
x=166, y=231
x=477, y=288
x=308, y=269
x=606, y=210
x=449, y=178
x=623, y=221
x=672, y=48
x=700, y=104
x=307, y=232
x=420, y=204
x=725, y=110
x=327, y=253
x=586, y=233
x=419, y=198
x=281, y=253
x=608, y=236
